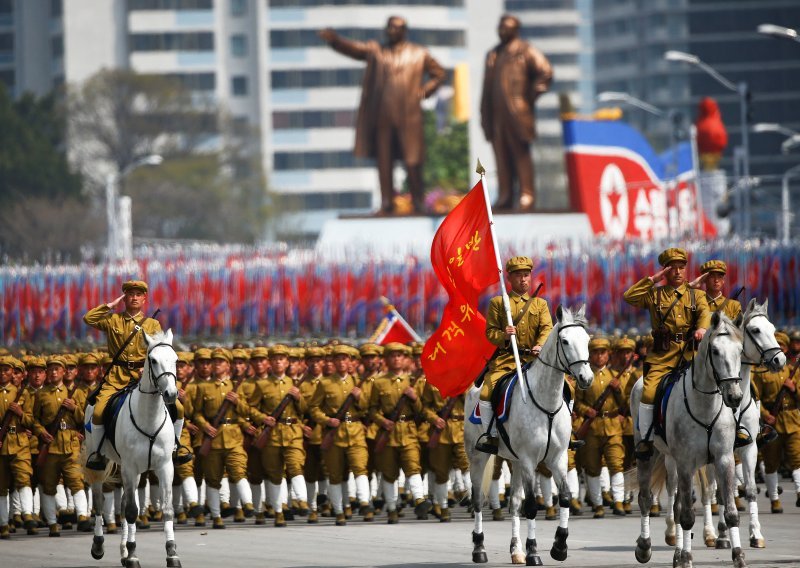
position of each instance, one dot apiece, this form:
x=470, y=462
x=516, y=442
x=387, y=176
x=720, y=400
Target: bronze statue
x=389, y=124
x=516, y=75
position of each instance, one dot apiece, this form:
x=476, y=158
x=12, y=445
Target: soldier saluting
x=129, y=362
x=532, y=326
x=678, y=314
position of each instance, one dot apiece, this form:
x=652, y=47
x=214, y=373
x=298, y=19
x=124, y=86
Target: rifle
x=601, y=400
x=262, y=439
x=53, y=428
x=768, y=432
x=383, y=434
x=92, y=398
x=330, y=432
x=221, y=412
x=444, y=414
x=9, y=416
x=734, y=297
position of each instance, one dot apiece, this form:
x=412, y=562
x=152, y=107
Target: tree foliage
x=446, y=154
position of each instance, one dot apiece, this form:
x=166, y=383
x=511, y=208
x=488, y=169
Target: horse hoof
x=722, y=544
x=738, y=558
x=559, y=554
x=518, y=558
x=757, y=542
x=643, y=554
x=97, y=547
x=132, y=563
x=533, y=560
x=173, y=562
x=97, y=554
x=669, y=539
x=480, y=557
x=686, y=559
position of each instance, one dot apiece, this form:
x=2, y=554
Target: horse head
x=760, y=345
x=573, y=342
x=721, y=350
x=160, y=365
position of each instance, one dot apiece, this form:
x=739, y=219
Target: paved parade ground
x=603, y=542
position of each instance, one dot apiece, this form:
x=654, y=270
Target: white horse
x=699, y=431
x=539, y=429
x=144, y=440
x=760, y=348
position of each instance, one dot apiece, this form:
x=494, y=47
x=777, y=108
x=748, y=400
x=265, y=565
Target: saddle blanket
x=502, y=407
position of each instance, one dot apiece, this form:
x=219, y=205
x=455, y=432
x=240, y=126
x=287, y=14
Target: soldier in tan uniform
x=183, y=482
x=532, y=329
x=202, y=374
x=118, y=327
x=284, y=449
x=15, y=454
x=604, y=439
x=402, y=448
x=785, y=449
x=678, y=314
x=255, y=471
x=227, y=452
x=372, y=362
x=64, y=447
x=314, y=470
x=623, y=362
x=349, y=449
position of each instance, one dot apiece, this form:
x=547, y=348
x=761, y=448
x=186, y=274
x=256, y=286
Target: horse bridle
x=764, y=353
x=155, y=379
x=564, y=368
x=718, y=379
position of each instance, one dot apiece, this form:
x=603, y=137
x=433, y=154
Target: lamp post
x=742, y=90
x=118, y=218
x=778, y=32
x=792, y=139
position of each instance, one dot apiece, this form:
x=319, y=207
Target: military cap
x=343, y=350
x=27, y=357
x=240, y=354
x=519, y=263
x=314, y=351
x=297, y=352
x=135, y=285
x=202, y=353
x=599, y=343
x=222, y=353
x=782, y=339
x=395, y=347
x=4, y=352
x=70, y=359
x=185, y=357
x=89, y=359
x=714, y=266
x=416, y=348
x=36, y=362
x=278, y=349
x=671, y=255
x=624, y=343
x=368, y=349
x=328, y=349
x=106, y=360
x=795, y=335
x=57, y=360
x=16, y=364
x=259, y=353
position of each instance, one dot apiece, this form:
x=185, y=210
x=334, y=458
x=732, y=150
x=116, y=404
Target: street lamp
x=614, y=96
x=742, y=90
x=119, y=237
x=793, y=138
x=778, y=32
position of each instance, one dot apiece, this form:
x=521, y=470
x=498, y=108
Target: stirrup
x=182, y=458
x=96, y=461
x=575, y=443
x=489, y=446
x=742, y=439
x=644, y=450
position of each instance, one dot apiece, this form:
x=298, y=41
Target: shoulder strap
x=524, y=310
x=663, y=317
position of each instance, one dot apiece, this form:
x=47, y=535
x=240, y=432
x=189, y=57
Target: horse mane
x=728, y=326
x=756, y=310
x=160, y=337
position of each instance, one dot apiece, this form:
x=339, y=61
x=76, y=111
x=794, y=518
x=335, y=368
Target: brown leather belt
x=288, y=421
x=456, y=417
x=11, y=430
x=608, y=414
x=130, y=365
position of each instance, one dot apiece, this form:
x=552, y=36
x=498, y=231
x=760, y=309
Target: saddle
x=663, y=392
x=111, y=413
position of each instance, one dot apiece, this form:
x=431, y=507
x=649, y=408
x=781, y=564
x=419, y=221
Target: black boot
x=489, y=445
x=743, y=438
x=96, y=462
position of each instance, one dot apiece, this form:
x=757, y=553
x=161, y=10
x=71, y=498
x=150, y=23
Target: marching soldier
x=184, y=474
x=532, y=327
x=604, y=439
x=402, y=447
x=349, y=448
x=678, y=315
x=15, y=454
x=202, y=374
x=314, y=470
x=712, y=280
x=118, y=327
x=371, y=359
x=255, y=471
x=784, y=419
x=284, y=449
x=623, y=362
x=227, y=452
x=64, y=446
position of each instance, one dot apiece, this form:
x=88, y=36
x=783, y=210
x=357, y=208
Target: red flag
x=393, y=328
x=462, y=255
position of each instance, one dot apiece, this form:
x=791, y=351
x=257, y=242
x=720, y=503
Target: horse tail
x=658, y=477
x=631, y=479
x=486, y=480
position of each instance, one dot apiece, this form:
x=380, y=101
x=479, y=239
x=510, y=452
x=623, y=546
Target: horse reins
x=763, y=352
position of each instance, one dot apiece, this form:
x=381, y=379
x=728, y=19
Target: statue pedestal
x=523, y=233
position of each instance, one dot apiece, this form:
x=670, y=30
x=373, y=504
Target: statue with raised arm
x=516, y=74
x=389, y=123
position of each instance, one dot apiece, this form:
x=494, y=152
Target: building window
x=325, y=200
x=194, y=81
x=318, y=160
x=134, y=5
x=57, y=46
x=7, y=42
x=315, y=78
x=239, y=86
x=56, y=8
x=238, y=8
x=239, y=45
x=297, y=38
x=314, y=119
x=188, y=41
x=318, y=3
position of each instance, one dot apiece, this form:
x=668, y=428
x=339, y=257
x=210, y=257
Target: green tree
x=446, y=155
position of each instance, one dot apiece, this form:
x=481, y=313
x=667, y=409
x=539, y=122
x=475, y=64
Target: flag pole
x=506, y=304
